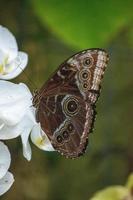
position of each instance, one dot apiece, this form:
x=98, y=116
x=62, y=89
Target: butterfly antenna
x=35, y=92
x=30, y=80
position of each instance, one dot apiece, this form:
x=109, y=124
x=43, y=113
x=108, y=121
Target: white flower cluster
x=17, y=114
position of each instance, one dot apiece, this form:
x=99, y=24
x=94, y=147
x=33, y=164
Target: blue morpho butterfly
x=66, y=102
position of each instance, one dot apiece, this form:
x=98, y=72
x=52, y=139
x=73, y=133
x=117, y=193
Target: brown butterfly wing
x=65, y=104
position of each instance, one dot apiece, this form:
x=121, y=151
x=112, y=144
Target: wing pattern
x=66, y=103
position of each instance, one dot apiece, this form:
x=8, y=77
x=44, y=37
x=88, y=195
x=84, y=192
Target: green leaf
x=85, y=24
x=112, y=193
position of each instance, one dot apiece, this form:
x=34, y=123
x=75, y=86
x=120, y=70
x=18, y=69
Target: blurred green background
x=50, y=31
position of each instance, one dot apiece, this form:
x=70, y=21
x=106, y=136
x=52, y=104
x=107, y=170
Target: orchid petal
x=26, y=145
x=6, y=182
x=10, y=132
x=5, y=159
x=17, y=66
x=2, y=58
x=40, y=139
x=1, y=125
x=29, y=121
x=8, y=43
x=13, y=91
x=15, y=100
x=26, y=123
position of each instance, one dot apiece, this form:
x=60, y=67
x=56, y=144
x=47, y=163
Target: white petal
x=6, y=182
x=8, y=43
x=5, y=159
x=14, y=102
x=17, y=66
x=25, y=125
x=1, y=124
x=26, y=145
x=40, y=139
x=2, y=62
x=2, y=57
x=10, y=91
x=29, y=122
x=10, y=132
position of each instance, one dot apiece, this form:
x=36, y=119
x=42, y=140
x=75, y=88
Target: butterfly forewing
x=65, y=104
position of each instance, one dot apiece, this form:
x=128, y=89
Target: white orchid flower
x=17, y=114
x=12, y=61
x=17, y=117
x=40, y=139
x=6, y=178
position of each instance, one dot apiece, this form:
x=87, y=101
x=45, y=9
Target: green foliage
x=85, y=23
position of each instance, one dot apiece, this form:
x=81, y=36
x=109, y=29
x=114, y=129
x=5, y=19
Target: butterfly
x=65, y=105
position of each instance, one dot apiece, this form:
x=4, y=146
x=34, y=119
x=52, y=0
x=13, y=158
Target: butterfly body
x=66, y=103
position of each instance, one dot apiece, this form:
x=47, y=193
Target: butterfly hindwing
x=65, y=104
x=66, y=128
